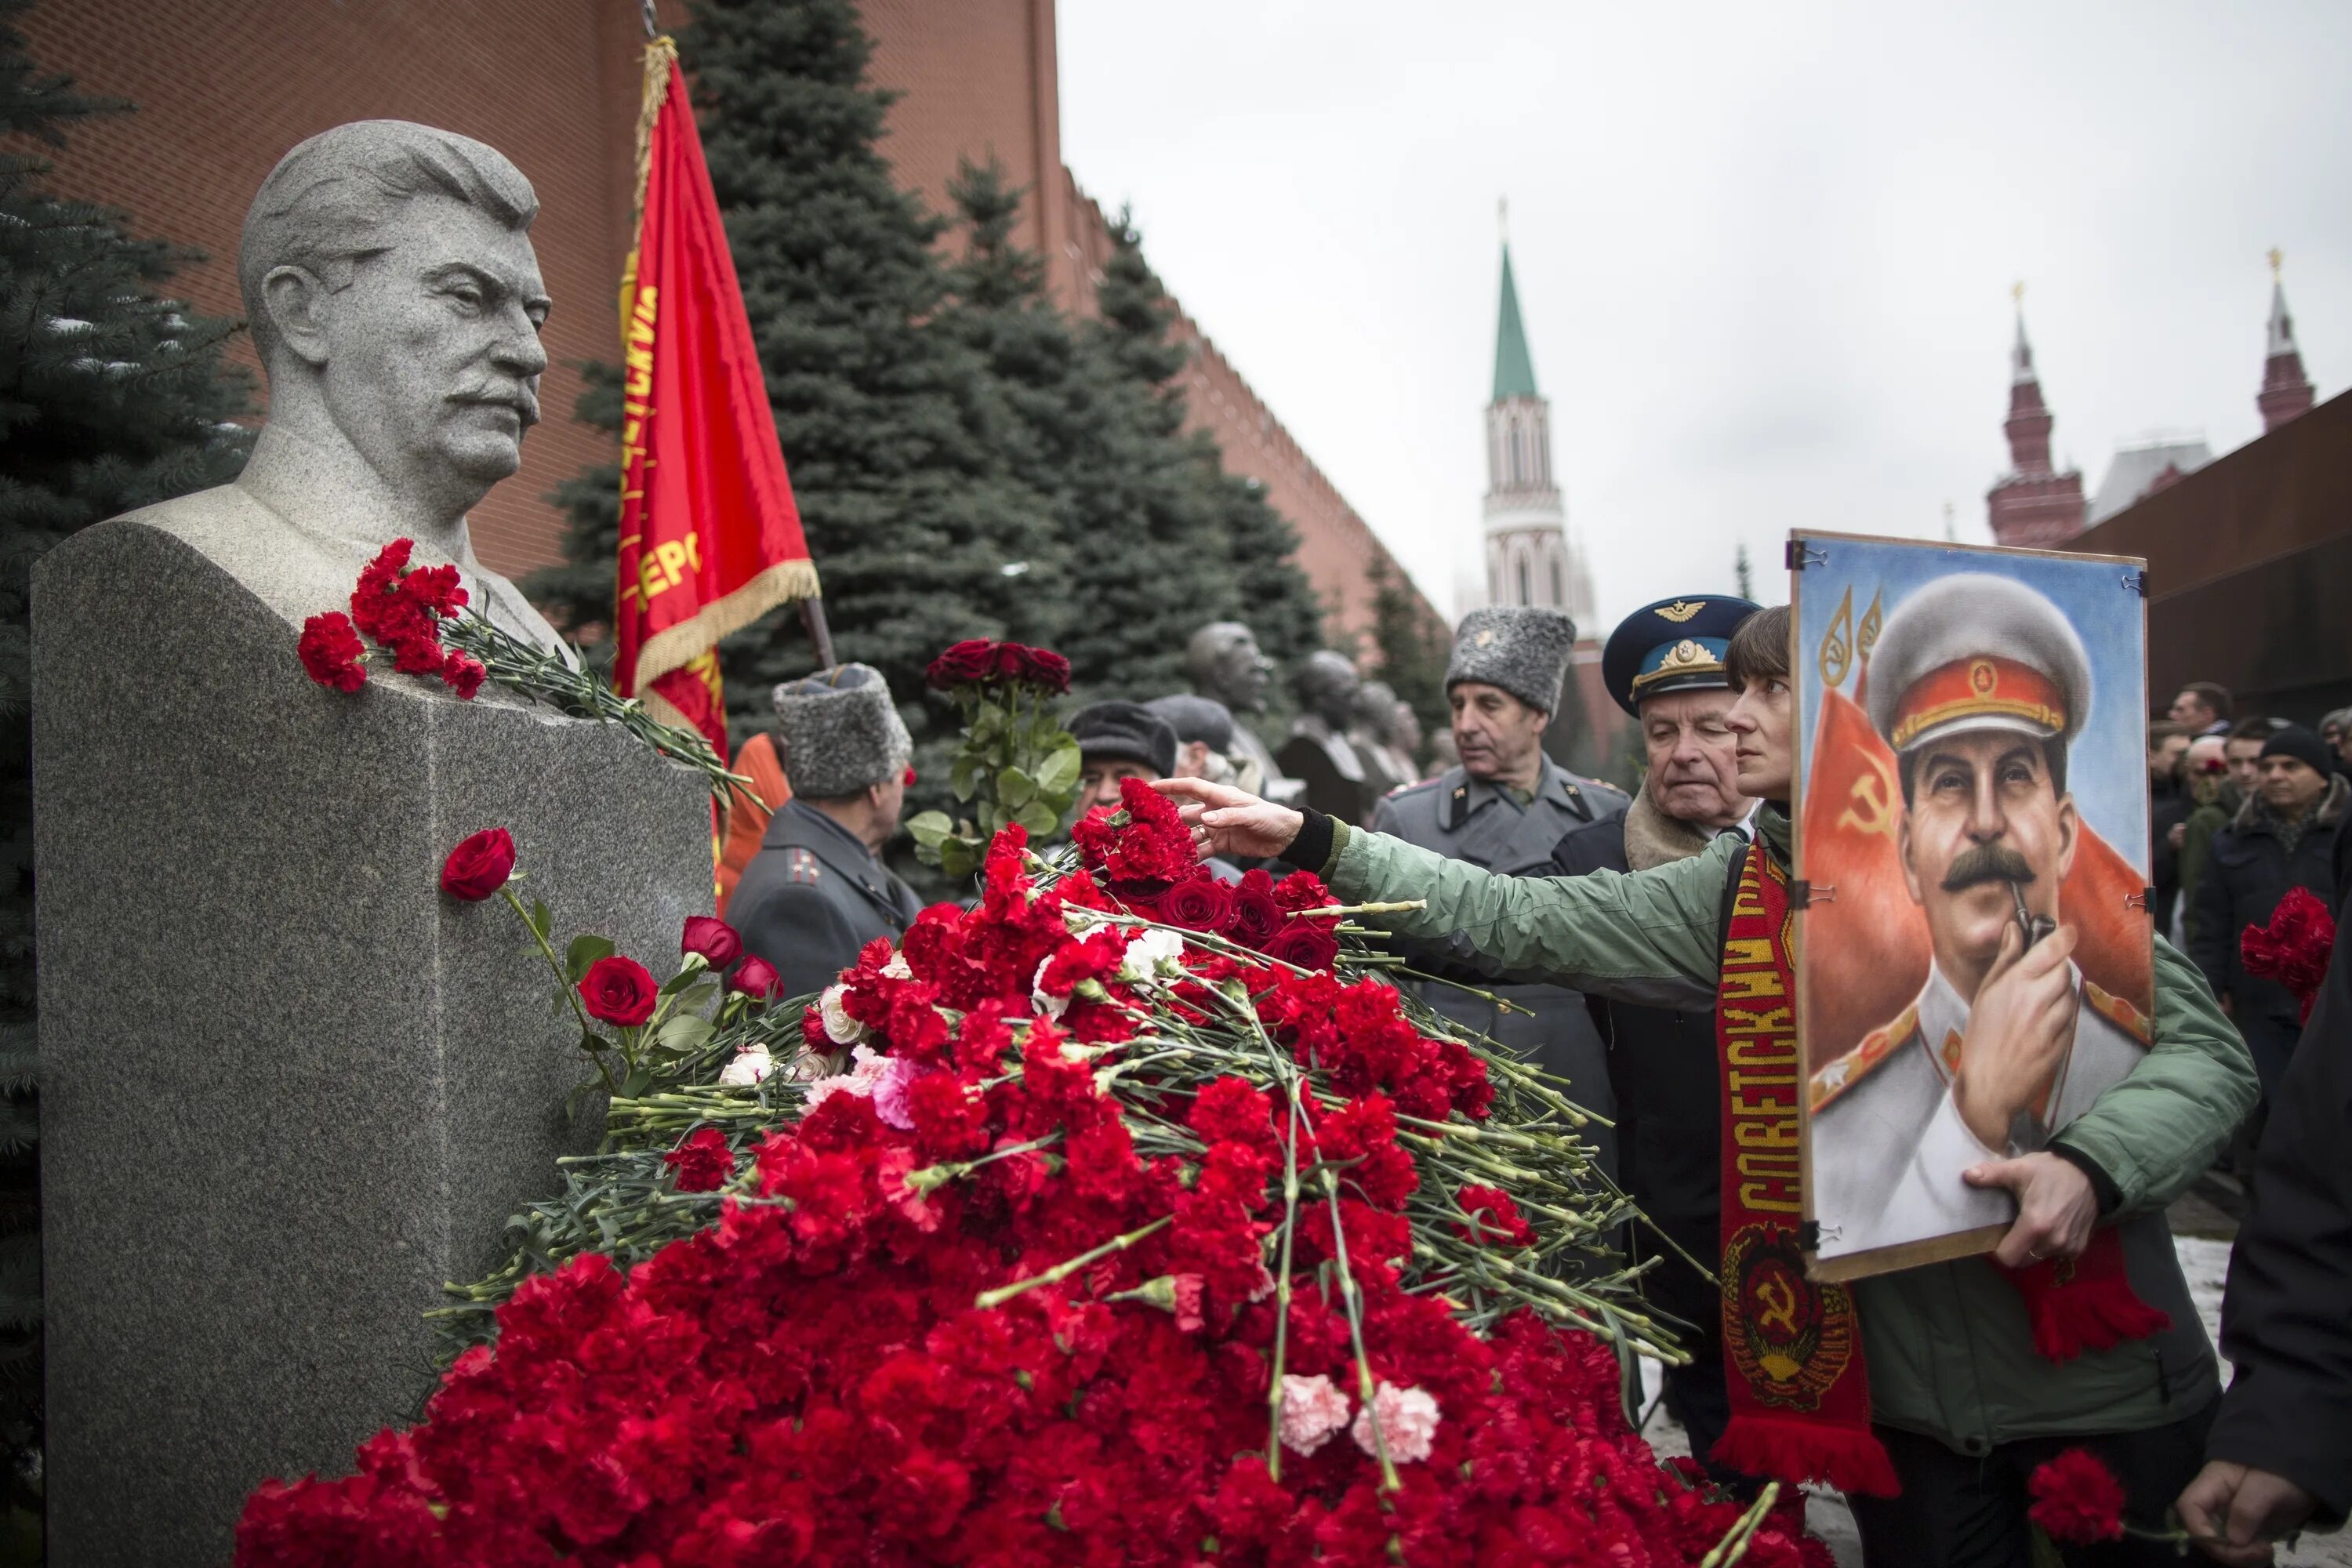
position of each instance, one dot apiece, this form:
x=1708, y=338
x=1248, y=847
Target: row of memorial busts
x=1352, y=741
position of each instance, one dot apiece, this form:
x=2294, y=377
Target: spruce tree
x=892, y=428
x=577, y=595
x=111, y=398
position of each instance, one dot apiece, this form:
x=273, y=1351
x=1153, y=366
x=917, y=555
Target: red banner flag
x=710, y=538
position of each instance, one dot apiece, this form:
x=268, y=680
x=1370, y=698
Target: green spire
x=1515, y=373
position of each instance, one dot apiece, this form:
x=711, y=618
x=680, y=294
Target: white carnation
x=1148, y=953
x=1052, y=1007
x=897, y=968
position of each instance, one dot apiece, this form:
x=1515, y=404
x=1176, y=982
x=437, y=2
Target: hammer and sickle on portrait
x=1873, y=795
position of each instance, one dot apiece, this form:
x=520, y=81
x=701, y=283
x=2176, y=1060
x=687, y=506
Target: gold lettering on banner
x=1760, y=1053
x=636, y=409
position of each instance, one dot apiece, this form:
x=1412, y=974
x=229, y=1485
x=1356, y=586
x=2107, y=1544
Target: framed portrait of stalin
x=1971, y=786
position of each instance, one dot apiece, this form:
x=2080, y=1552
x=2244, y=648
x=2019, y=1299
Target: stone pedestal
x=288, y=1087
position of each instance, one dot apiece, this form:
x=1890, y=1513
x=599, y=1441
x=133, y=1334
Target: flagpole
x=812, y=621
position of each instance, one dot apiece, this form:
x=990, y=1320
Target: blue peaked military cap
x=1674, y=644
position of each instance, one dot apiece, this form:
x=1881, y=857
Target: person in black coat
x=1664, y=664
x=2284, y=836
x=817, y=891
x=2279, y=1454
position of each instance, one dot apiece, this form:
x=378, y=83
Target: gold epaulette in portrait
x=1837, y=1077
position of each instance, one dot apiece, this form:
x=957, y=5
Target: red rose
x=619, y=991
x=968, y=663
x=1303, y=944
x=1012, y=660
x=480, y=866
x=332, y=653
x=1198, y=903
x=2077, y=1498
x=1257, y=917
x=703, y=1162
x=756, y=977
x=718, y=941
x=1044, y=669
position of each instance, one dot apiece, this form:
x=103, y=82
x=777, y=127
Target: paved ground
x=2203, y=1225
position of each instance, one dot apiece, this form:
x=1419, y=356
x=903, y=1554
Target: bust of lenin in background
x=395, y=301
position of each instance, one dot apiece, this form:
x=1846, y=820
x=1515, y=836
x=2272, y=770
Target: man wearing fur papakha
x=1664, y=665
x=1504, y=807
x=818, y=892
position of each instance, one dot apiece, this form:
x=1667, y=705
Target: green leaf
x=963, y=778
x=959, y=856
x=695, y=970
x=682, y=1033
x=1059, y=771
x=1015, y=789
x=930, y=828
x=1038, y=817
x=541, y=920
x=585, y=950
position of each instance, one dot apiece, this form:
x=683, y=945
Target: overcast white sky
x=1764, y=252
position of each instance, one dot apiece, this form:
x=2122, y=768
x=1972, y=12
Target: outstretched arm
x=1648, y=937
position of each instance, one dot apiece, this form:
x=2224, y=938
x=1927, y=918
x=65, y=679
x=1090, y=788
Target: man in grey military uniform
x=1979, y=684
x=1504, y=807
x=818, y=892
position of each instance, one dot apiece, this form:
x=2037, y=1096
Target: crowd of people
x=1587, y=930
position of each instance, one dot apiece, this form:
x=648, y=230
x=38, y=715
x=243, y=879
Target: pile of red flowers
x=1008, y=1294
x=2294, y=948
x=402, y=608
x=977, y=662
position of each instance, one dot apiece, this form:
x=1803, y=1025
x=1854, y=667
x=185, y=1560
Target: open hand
x=2057, y=1207
x=2237, y=1510
x=2021, y=1026
x=1228, y=821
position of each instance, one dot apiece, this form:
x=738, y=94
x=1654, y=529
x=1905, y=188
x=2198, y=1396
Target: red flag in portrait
x=710, y=538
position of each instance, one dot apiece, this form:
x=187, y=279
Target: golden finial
x=2017, y=291
x=2277, y=256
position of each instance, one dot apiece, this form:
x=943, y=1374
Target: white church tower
x=1528, y=558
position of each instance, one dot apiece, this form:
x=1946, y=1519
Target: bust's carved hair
x=323, y=204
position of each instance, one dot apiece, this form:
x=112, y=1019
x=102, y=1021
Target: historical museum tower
x=1529, y=560
x=2286, y=391
x=2032, y=504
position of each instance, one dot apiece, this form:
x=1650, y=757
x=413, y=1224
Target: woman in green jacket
x=1964, y=1403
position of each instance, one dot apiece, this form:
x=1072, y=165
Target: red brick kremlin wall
x=223, y=89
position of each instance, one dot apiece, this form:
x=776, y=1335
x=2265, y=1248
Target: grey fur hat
x=841, y=731
x=1520, y=649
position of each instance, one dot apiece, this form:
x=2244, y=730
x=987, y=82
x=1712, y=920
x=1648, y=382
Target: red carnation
x=332, y=653
x=619, y=991
x=757, y=978
x=1494, y=1217
x=2294, y=948
x=720, y=943
x=1198, y=903
x=462, y=673
x=703, y=1162
x=968, y=663
x=2077, y=1498
x=1303, y=944
x=480, y=866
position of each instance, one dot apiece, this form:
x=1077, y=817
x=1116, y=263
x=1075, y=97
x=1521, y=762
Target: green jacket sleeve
x=1646, y=937
x=2156, y=1131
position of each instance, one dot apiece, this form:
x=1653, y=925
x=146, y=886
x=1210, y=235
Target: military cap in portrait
x=1973, y=651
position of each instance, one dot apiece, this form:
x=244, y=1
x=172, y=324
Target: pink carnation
x=891, y=1086
x=1313, y=1408
x=863, y=1078
x=1408, y=1418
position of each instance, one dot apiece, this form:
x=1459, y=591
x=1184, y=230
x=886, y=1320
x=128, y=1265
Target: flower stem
x=563, y=981
x=989, y=1300
x=1733, y=1546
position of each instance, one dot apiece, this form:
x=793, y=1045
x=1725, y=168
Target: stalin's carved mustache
x=1987, y=863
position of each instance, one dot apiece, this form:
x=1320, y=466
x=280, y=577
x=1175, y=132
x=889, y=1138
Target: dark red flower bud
x=756, y=977
x=480, y=866
x=1303, y=943
x=1044, y=667
x=1198, y=903
x=968, y=663
x=619, y=991
x=720, y=943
